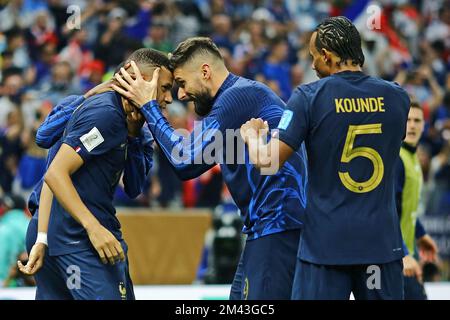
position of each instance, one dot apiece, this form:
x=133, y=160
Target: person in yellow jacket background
x=409, y=180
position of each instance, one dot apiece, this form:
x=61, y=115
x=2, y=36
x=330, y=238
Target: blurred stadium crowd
x=48, y=52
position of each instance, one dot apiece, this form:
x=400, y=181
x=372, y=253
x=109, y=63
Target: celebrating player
x=271, y=206
x=49, y=135
x=353, y=126
x=85, y=233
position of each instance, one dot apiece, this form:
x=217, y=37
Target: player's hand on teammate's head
x=254, y=128
x=100, y=88
x=107, y=246
x=35, y=260
x=411, y=268
x=138, y=90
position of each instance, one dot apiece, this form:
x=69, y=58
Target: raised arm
x=53, y=126
x=267, y=156
x=184, y=152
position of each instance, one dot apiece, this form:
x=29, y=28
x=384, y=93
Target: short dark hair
x=149, y=57
x=11, y=71
x=191, y=47
x=414, y=103
x=339, y=35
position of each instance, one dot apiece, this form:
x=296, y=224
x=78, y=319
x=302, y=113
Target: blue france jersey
x=268, y=203
x=353, y=126
x=33, y=200
x=49, y=135
x=97, y=131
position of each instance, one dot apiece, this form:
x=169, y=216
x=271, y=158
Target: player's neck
x=344, y=67
x=218, y=80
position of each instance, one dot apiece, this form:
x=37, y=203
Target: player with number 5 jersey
x=353, y=126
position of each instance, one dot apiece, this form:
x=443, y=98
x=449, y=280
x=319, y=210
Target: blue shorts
x=367, y=282
x=266, y=268
x=80, y=276
x=414, y=290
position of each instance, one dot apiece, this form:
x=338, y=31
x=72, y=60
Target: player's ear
x=206, y=71
x=326, y=56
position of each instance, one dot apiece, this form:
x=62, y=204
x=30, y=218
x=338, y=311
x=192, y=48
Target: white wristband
x=42, y=238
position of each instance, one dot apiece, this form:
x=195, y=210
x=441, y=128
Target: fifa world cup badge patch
x=123, y=291
x=285, y=119
x=92, y=139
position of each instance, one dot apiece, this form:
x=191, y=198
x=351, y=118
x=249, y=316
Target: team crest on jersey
x=123, y=291
x=246, y=287
x=285, y=119
x=92, y=139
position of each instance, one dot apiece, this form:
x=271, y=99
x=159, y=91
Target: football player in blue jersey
x=90, y=158
x=353, y=126
x=271, y=205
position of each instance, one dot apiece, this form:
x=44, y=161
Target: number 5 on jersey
x=349, y=153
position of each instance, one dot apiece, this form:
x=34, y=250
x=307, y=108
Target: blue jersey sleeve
x=95, y=131
x=295, y=121
x=53, y=126
x=185, y=153
x=420, y=229
x=405, y=249
x=138, y=164
x=147, y=145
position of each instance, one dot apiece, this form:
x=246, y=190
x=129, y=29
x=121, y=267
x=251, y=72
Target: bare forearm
x=259, y=152
x=62, y=187
x=45, y=205
x=268, y=157
x=400, y=78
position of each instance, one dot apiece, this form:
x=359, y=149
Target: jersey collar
x=229, y=81
x=409, y=147
x=349, y=73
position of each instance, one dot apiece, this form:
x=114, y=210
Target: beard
x=203, y=102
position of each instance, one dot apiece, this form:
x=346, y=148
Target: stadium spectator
x=42, y=67
x=221, y=33
x=61, y=84
x=76, y=51
x=31, y=166
x=112, y=43
x=12, y=15
x=408, y=185
x=40, y=32
x=157, y=37
x=439, y=201
x=10, y=149
x=421, y=83
x=13, y=227
x=18, y=46
x=11, y=93
x=277, y=71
